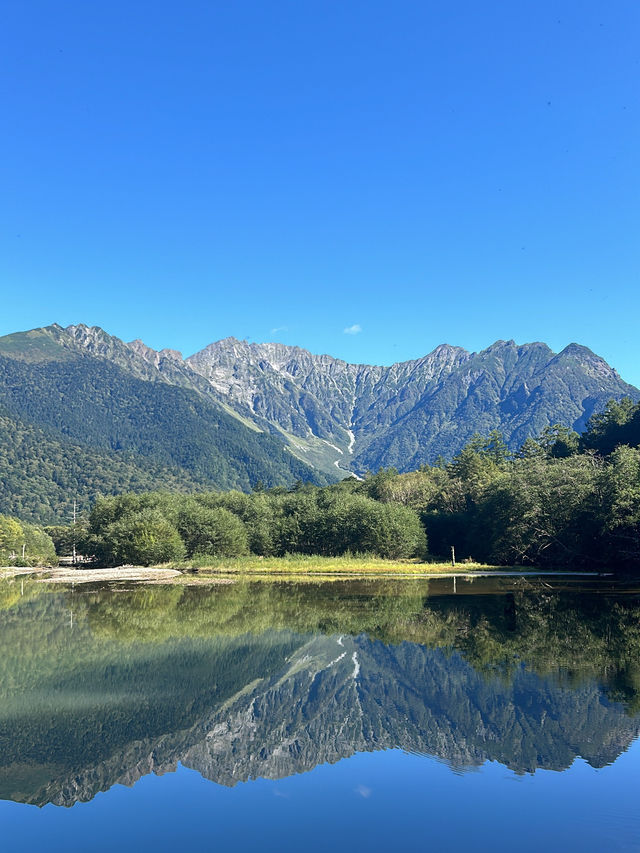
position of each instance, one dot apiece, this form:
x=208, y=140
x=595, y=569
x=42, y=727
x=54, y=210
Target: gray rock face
x=411, y=412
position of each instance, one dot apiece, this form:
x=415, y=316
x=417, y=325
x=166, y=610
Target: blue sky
x=414, y=172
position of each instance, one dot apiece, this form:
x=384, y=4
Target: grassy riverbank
x=303, y=564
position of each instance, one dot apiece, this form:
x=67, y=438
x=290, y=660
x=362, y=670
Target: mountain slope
x=409, y=413
x=105, y=422
x=40, y=477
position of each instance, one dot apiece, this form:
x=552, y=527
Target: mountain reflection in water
x=263, y=679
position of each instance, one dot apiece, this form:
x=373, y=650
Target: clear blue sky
x=288, y=169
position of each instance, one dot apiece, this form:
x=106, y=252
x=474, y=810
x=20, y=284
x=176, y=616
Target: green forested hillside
x=97, y=404
x=72, y=425
x=40, y=476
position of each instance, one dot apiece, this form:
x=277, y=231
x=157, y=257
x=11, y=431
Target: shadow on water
x=265, y=679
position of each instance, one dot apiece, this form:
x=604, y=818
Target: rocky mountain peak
x=432, y=404
x=340, y=417
x=94, y=339
x=576, y=356
x=151, y=355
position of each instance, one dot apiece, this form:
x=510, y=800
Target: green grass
x=34, y=346
x=303, y=564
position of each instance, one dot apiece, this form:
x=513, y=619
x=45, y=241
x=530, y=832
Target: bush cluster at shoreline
x=158, y=528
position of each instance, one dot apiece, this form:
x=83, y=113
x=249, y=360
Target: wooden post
x=453, y=556
x=74, y=535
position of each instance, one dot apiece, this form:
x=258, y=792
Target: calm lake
x=493, y=714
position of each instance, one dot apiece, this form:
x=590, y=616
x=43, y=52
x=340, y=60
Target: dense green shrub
x=211, y=530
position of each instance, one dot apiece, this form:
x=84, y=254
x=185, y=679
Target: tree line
x=561, y=500
x=161, y=527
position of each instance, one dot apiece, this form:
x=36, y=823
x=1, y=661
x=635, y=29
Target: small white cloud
x=278, y=793
x=279, y=329
x=363, y=791
x=353, y=330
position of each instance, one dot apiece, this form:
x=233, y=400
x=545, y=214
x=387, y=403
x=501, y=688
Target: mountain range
x=83, y=412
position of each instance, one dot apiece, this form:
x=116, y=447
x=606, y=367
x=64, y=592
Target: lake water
x=496, y=714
